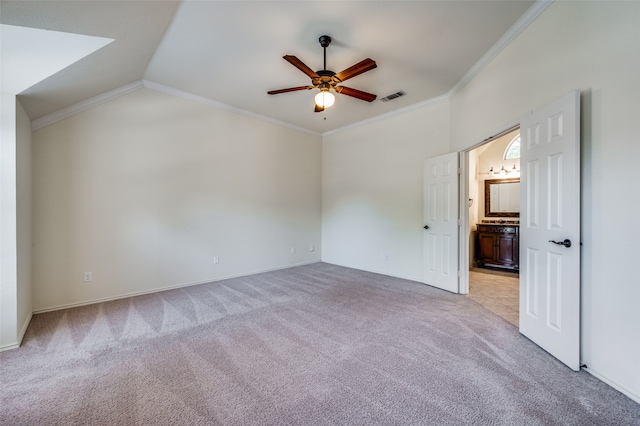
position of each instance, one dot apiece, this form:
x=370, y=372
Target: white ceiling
x=30, y=55
x=231, y=51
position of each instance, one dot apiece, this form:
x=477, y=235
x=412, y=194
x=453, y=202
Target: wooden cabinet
x=498, y=245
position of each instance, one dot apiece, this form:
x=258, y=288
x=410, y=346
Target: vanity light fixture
x=503, y=172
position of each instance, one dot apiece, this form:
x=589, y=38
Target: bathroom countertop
x=500, y=222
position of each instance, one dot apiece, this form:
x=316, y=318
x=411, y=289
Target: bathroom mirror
x=502, y=197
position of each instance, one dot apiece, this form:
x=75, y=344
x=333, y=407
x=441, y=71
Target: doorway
x=494, y=225
x=549, y=262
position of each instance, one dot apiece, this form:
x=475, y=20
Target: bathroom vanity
x=498, y=245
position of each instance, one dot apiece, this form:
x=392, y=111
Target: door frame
x=464, y=233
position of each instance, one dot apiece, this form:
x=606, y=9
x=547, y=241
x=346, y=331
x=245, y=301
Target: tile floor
x=497, y=291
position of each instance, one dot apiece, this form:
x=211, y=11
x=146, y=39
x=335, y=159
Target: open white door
x=550, y=228
x=440, y=213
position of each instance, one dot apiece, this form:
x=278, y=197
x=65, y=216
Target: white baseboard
x=24, y=328
x=157, y=290
x=10, y=346
x=617, y=386
x=386, y=273
x=17, y=344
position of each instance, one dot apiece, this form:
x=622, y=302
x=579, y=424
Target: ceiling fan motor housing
x=325, y=79
x=325, y=41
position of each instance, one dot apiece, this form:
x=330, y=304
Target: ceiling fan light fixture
x=325, y=79
x=325, y=99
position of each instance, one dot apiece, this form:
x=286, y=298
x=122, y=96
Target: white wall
x=593, y=47
x=8, y=244
x=372, y=191
x=23, y=219
x=145, y=190
x=15, y=222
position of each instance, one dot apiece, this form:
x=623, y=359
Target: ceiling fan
x=326, y=80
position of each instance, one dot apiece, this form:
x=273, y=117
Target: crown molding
x=210, y=102
x=525, y=20
x=84, y=105
x=128, y=88
x=381, y=117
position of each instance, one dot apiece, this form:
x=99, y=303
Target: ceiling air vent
x=393, y=96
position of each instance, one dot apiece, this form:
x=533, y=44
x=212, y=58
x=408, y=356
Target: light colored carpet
x=312, y=345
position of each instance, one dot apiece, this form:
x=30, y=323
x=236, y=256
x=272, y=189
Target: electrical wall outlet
x=88, y=277
x=216, y=260
x=293, y=250
x=312, y=248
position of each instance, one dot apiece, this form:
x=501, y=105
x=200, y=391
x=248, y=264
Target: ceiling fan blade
x=318, y=108
x=369, y=97
x=357, y=69
x=290, y=89
x=300, y=65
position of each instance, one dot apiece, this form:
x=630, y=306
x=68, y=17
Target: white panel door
x=440, y=213
x=550, y=228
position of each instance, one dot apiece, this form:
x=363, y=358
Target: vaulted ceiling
x=230, y=52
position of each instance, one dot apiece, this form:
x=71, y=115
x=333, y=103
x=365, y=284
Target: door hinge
x=459, y=170
x=459, y=222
